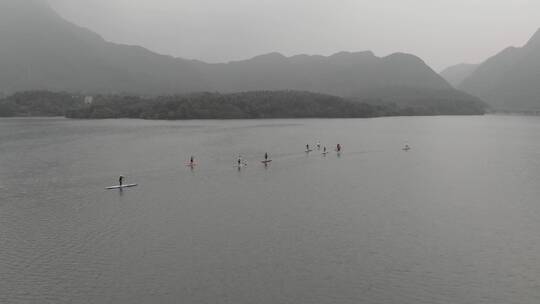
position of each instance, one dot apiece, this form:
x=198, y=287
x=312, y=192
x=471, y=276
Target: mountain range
x=508, y=81
x=42, y=51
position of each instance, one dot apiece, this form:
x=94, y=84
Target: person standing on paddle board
x=338, y=148
x=241, y=161
x=266, y=160
x=307, y=148
x=192, y=160
x=120, y=180
x=324, y=150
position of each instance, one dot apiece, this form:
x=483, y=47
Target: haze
x=442, y=32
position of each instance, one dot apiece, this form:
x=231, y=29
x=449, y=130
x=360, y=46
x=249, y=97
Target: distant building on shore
x=88, y=100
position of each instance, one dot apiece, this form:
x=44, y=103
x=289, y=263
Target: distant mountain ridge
x=42, y=51
x=509, y=80
x=344, y=74
x=456, y=74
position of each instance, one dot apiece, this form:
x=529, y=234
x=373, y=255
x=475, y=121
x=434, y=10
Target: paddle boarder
x=240, y=161
x=120, y=180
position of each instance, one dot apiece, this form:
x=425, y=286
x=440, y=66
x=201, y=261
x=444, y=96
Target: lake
x=454, y=220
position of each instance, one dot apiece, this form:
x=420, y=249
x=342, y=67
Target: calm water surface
x=454, y=220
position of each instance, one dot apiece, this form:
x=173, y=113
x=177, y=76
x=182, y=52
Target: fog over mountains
x=509, y=80
x=41, y=50
x=456, y=74
x=343, y=74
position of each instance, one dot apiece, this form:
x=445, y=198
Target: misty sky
x=442, y=32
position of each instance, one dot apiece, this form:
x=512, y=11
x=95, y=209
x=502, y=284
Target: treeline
x=413, y=102
x=263, y=104
x=39, y=103
x=252, y=105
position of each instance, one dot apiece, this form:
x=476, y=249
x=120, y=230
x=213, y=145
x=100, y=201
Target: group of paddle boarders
x=338, y=149
x=243, y=163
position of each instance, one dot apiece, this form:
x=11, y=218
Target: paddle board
x=121, y=187
x=266, y=161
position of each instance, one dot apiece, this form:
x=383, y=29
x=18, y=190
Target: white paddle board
x=121, y=187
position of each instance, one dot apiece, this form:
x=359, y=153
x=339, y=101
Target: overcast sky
x=442, y=32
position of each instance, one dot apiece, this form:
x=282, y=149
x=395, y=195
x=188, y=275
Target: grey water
x=454, y=220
